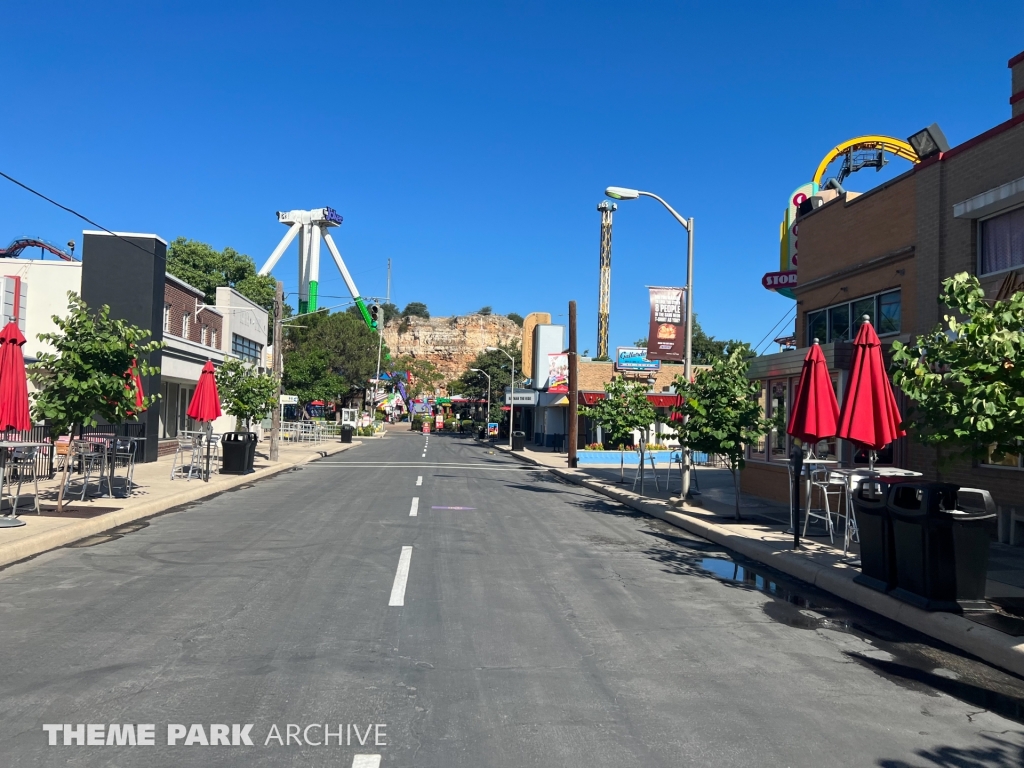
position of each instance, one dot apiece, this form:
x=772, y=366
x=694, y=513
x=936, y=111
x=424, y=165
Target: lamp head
x=622, y=193
x=491, y=349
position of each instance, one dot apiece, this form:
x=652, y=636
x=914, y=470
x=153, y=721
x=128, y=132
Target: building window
x=1008, y=460
x=167, y=317
x=841, y=321
x=204, y=333
x=247, y=349
x=778, y=402
x=213, y=339
x=185, y=325
x=1002, y=242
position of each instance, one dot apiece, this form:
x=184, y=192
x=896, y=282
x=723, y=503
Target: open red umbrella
x=869, y=416
x=205, y=405
x=13, y=383
x=815, y=411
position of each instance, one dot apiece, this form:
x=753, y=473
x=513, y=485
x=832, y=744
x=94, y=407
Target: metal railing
x=312, y=432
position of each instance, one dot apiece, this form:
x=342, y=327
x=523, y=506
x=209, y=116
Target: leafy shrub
x=595, y=447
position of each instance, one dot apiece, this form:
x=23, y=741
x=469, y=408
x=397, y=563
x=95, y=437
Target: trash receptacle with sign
x=874, y=528
x=518, y=441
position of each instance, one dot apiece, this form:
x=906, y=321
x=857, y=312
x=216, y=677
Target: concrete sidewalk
x=154, y=492
x=761, y=537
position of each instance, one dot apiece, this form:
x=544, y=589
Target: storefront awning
x=657, y=400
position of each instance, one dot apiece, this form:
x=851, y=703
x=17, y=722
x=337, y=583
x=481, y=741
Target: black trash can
x=518, y=441
x=874, y=526
x=941, y=550
x=237, y=453
x=346, y=433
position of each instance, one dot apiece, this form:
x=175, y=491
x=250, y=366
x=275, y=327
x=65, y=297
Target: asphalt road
x=536, y=625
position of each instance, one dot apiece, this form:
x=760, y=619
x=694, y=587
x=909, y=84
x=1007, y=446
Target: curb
x=988, y=644
x=31, y=546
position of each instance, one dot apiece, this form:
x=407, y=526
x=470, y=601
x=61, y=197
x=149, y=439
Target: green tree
x=426, y=378
x=87, y=374
x=416, y=309
x=331, y=357
x=624, y=410
x=722, y=412
x=966, y=381
x=202, y=266
x=516, y=318
x=388, y=312
x=485, y=310
x=495, y=363
x=245, y=393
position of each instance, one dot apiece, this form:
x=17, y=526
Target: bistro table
x=107, y=468
x=854, y=475
x=11, y=520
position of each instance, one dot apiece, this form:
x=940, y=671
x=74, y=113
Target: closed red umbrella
x=135, y=384
x=869, y=416
x=815, y=411
x=13, y=383
x=205, y=405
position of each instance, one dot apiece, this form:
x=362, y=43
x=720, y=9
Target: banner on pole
x=558, y=372
x=666, y=335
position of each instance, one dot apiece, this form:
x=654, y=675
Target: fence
x=313, y=432
x=43, y=433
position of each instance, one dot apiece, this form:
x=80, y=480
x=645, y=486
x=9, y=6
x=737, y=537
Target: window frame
x=167, y=317
x=239, y=350
x=186, y=325
x=979, y=243
x=827, y=310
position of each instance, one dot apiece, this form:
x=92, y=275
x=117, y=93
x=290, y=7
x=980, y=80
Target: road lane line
x=419, y=480
x=366, y=761
x=401, y=578
x=415, y=508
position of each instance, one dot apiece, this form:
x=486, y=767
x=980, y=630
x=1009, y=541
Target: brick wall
x=593, y=375
x=183, y=303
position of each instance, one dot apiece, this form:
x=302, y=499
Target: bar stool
x=23, y=462
x=827, y=486
x=187, y=451
x=124, y=456
x=88, y=456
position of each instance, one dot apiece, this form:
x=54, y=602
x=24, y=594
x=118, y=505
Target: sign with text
x=634, y=359
x=558, y=372
x=774, y=281
x=523, y=396
x=289, y=399
x=666, y=335
x=492, y=429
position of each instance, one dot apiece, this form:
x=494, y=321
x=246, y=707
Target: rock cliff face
x=450, y=343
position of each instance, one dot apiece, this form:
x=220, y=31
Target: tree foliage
x=516, y=318
x=722, y=411
x=245, y=393
x=487, y=310
x=88, y=373
x=624, y=409
x=497, y=365
x=966, y=381
x=416, y=309
x=203, y=267
x=329, y=358
x=426, y=378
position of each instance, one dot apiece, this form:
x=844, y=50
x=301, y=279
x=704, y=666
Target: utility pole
x=275, y=422
x=604, y=292
x=380, y=344
x=573, y=387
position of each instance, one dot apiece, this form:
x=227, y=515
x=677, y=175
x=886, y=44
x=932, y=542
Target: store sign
x=666, y=334
x=523, y=396
x=773, y=281
x=558, y=372
x=634, y=359
x=789, y=240
x=289, y=399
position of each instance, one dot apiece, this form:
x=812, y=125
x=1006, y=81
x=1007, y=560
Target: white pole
x=380, y=343
x=512, y=402
x=293, y=230
x=340, y=264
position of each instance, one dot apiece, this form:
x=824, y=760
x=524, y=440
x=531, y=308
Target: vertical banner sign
x=666, y=336
x=558, y=372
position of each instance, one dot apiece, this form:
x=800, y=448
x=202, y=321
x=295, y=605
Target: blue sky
x=471, y=142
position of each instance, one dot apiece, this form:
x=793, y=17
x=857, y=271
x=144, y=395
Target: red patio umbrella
x=13, y=383
x=869, y=416
x=135, y=383
x=205, y=405
x=815, y=411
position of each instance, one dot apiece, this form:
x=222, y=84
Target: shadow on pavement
x=1000, y=753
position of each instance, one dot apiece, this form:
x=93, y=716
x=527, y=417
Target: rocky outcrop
x=450, y=343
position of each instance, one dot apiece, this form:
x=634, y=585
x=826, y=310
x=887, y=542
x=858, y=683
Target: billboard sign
x=666, y=334
x=492, y=429
x=634, y=359
x=558, y=372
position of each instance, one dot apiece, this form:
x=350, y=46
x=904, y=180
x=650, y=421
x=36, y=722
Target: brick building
x=885, y=253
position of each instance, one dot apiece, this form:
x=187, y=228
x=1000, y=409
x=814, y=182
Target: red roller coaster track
x=18, y=245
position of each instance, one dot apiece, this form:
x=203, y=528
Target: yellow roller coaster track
x=893, y=146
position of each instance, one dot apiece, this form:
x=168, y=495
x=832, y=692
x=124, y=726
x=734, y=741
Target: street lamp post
x=485, y=373
x=623, y=193
x=512, y=396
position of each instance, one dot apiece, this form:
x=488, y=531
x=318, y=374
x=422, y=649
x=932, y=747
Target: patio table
x=11, y=520
x=108, y=469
